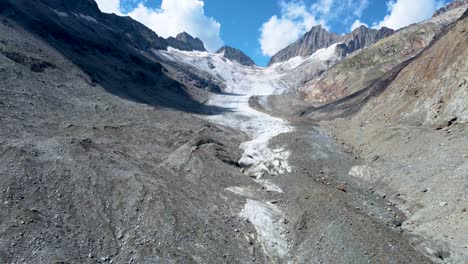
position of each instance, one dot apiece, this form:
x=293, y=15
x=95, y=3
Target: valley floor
x=89, y=176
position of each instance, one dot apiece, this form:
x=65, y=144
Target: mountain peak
x=184, y=36
x=317, y=38
x=184, y=41
x=360, y=28
x=236, y=55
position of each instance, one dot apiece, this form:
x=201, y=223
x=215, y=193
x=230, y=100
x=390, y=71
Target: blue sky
x=262, y=27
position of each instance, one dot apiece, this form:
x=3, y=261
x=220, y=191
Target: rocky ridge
x=319, y=38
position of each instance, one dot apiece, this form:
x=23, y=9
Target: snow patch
x=59, y=13
x=266, y=218
x=88, y=18
x=321, y=55
x=242, y=191
x=325, y=54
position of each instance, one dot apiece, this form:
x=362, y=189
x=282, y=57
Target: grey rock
x=236, y=55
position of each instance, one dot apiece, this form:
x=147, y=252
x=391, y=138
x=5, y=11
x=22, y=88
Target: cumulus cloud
x=402, y=13
x=278, y=32
x=109, y=6
x=361, y=5
x=297, y=18
x=174, y=17
x=343, y=9
x=357, y=24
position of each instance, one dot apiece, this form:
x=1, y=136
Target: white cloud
x=297, y=18
x=109, y=6
x=174, y=17
x=278, y=32
x=332, y=9
x=357, y=24
x=323, y=6
x=361, y=5
x=405, y=12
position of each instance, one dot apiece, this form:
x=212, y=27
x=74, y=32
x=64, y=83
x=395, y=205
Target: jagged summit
x=184, y=41
x=236, y=55
x=363, y=37
x=319, y=38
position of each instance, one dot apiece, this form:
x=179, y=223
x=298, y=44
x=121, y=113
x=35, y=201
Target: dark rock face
x=451, y=6
x=319, y=38
x=184, y=41
x=236, y=55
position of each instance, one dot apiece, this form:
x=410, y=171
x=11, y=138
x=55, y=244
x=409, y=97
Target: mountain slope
x=117, y=52
x=319, y=38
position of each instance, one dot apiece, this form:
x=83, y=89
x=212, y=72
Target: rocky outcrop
x=236, y=55
x=451, y=6
x=319, y=38
x=185, y=41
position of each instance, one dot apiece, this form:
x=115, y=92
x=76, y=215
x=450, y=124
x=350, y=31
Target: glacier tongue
x=259, y=158
x=241, y=83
